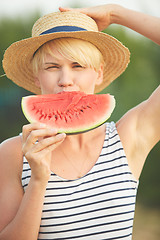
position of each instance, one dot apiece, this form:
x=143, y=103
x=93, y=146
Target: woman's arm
x=144, y=24
x=21, y=212
x=108, y=14
x=139, y=130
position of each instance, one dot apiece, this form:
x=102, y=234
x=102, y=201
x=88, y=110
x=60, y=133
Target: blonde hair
x=77, y=50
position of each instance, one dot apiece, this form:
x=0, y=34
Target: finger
x=66, y=9
x=35, y=135
x=40, y=152
x=53, y=146
x=44, y=147
x=48, y=143
x=26, y=130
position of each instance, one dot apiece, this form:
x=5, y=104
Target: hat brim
x=18, y=57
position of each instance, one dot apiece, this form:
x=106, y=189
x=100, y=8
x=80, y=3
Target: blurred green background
x=132, y=87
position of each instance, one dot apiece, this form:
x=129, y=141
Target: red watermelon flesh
x=69, y=112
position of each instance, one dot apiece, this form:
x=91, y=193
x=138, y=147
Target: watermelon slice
x=69, y=112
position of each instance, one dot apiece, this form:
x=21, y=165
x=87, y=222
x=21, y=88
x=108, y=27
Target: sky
x=14, y=8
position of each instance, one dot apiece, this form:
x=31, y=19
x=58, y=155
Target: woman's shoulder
x=11, y=157
x=11, y=146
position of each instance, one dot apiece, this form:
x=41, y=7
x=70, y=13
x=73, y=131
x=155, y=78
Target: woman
x=55, y=186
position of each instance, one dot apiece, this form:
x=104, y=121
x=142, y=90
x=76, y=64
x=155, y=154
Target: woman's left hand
x=101, y=14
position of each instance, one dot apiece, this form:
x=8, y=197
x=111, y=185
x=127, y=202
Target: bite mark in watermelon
x=69, y=112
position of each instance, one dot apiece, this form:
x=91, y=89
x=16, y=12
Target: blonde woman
x=83, y=186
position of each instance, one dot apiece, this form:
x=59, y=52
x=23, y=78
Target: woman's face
x=60, y=74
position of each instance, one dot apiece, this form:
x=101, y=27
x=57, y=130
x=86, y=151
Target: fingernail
x=53, y=131
x=61, y=135
x=42, y=125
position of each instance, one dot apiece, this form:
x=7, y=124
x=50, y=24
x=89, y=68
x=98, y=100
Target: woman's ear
x=36, y=81
x=100, y=75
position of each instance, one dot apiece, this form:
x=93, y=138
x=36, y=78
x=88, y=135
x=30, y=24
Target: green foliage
x=132, y=87
x=142, y=75
x=12, y=30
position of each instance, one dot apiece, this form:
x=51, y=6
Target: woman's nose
x=65, y=78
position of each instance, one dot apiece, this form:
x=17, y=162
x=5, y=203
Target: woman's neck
x=79, y=141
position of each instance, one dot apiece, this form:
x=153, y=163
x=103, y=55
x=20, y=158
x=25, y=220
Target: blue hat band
x=63, y=29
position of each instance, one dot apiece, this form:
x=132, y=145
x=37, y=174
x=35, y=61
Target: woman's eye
x=77, y=66
x=52, y=67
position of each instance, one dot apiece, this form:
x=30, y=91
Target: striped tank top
x=100, y=205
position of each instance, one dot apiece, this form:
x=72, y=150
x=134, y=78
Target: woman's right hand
x=38, y=142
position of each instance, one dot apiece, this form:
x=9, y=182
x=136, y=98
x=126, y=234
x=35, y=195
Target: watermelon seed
x=41, y=117
x=45, y=116
x=68, y=115
x=65, y=119
x=49, y=116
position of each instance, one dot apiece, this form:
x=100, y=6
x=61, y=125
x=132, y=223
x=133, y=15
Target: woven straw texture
x=17, y=58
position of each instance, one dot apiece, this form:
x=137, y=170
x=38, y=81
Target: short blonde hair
x=77, y=50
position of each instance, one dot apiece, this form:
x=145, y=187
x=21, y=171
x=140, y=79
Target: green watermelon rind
x=70, y=131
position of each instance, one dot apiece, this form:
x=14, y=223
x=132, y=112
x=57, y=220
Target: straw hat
x=18, y=57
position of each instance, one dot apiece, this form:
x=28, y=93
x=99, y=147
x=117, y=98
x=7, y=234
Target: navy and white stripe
x=98, y=206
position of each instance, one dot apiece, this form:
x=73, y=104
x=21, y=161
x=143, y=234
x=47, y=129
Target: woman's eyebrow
x=51, y=63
